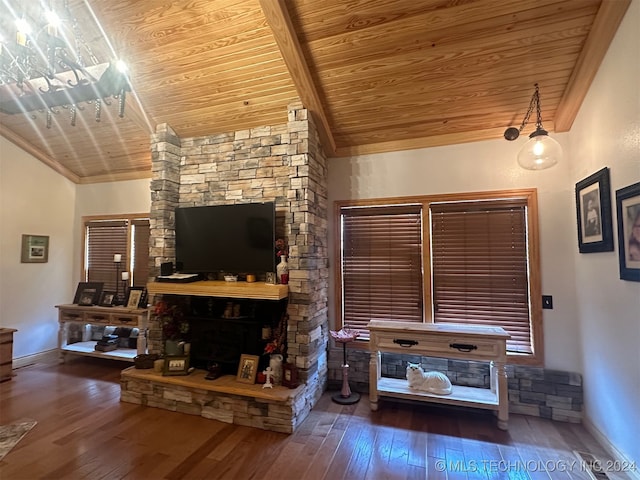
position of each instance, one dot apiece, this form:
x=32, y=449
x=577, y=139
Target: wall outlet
x=547, y=302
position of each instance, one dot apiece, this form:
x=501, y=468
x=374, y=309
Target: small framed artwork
x=35, y=249
x=271, y=278
x=176, y=365
x=88, y=293
x=593, y=210
x=248, y=368
x=628, y=209
x=107, y=298
x=135, y=297
x=289, y=375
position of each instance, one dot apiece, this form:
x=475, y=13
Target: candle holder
x=346, y=396
x=117, y=299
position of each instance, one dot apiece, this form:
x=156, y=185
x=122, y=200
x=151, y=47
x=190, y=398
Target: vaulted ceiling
x=377, y=75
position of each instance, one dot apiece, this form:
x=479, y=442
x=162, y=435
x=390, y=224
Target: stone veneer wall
x=282, y=163
x=533, y=391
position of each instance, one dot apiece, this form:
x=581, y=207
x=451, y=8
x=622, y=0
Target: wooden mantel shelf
x=217, y=288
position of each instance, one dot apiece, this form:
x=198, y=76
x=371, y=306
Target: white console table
x=461, y=342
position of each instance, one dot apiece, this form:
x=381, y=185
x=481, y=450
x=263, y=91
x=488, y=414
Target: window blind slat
x=381, y=265
x=480, y=270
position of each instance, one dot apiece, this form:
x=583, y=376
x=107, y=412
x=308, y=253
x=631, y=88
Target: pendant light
x=541, y=151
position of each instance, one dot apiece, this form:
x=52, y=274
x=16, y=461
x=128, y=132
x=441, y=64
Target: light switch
x=547, y=302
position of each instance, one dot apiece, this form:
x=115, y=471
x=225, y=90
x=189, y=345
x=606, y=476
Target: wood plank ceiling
x=378, y=75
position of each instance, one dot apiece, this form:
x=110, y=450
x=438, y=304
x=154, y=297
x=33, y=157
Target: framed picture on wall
x=593, y=211
x=35, y=249
x=628, y=210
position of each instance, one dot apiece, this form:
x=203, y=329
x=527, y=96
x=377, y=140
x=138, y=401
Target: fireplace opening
x=221, y=330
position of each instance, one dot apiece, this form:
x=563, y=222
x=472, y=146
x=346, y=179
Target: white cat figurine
x=432, y=382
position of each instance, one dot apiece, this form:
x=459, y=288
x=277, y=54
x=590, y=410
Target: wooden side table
x=6, y=353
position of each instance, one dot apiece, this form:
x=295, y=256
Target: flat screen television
x=230, y=239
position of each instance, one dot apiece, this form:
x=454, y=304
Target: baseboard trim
x=610, y=447
x=47, y=356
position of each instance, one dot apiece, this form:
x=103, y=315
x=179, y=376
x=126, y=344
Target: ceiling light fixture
x=541, y=151
x=42, y=68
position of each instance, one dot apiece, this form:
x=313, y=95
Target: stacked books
x=107, y=343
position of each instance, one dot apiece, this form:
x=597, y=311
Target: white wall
x=607, y=133
x=112, y=198
x=482, y=166
x=36, y=200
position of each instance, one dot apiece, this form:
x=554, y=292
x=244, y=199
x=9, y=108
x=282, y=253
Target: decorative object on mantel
x=275, y=365
x=277, y=343
x=541, y=151
x=268, y=373
x=44, y=68
x=175, y=328
x=283, y=271
x=346, y=396
x=432, y=382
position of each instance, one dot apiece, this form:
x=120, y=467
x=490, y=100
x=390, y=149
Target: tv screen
x=226, y=238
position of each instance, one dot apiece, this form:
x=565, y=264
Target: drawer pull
x=98, y=318
x=463, y=347
x=405, y=343
x=124, y=319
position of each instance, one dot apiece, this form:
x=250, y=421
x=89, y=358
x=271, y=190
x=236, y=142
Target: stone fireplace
x=281, y=163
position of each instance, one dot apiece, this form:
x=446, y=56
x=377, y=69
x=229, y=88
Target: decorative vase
x=282, y=269
x=275, y=362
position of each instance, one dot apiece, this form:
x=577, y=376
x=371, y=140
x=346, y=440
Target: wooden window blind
x=381, y=265
x=128, y=237
x=103, y=240
x=480, y=266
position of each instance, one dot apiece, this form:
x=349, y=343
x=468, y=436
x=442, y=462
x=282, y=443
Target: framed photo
x=628, y=209
x=248, y=368
x=593, y=210
x=289, y=375
x=107, y=298
x=135, y=297
x=35, y=249
x=88, y=293
x=176, y=365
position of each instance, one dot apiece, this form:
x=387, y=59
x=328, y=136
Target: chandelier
x=46, y=65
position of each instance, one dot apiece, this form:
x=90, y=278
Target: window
x=125, y=235
x=468, y=258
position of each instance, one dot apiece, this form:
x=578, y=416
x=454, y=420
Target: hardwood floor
x=84, y=431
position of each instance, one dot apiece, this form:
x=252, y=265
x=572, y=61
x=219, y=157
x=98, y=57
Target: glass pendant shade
x=540, y=152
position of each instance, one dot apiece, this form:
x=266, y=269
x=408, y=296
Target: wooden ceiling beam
x=595, y=48
x=279, y=20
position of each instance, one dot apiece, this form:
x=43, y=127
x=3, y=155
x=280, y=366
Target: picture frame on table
x=35, y=249
x=88, y=293
x=628, y=211
x=593, y=212
x=248, y=368
x=107, y=298
x=136, y=297
x=176, y=365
